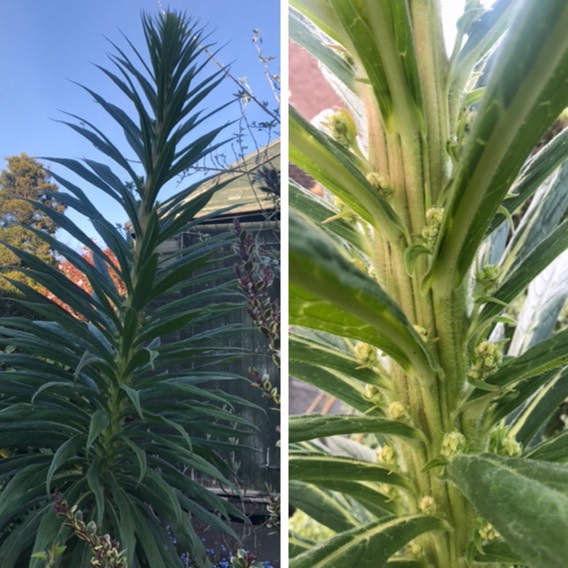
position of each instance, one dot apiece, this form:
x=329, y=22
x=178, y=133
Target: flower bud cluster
x=386, y=455
x=427, y=505
x=106, y=553
x=453, y=444
x=397, y=411
x=262, y=381
x=487, y=278
x=431, y=230
x=504, y=443
x=342, y=128
x=365, y=354
x=422, y=332
x=488, y=533
x=380, y=183
x=487, y=358
x=373, y=394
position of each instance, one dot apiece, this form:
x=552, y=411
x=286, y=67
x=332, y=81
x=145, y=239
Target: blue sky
x=45, y=45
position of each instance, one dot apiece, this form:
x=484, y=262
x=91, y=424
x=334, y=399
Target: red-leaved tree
x=79, y=278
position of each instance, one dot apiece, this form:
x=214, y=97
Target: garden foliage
x=425, y=294
x=103, y=402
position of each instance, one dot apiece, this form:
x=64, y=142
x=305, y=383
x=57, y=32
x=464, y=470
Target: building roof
x=244, y=192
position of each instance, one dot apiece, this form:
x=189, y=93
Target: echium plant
x=417, y=301
x=105, y=404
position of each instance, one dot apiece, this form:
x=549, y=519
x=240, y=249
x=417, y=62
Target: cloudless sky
x=45, y=45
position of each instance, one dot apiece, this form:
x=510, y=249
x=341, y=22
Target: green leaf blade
x=525, y=500
x=369, y=546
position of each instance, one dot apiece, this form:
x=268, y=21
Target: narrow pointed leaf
x=329, y=293
x=525, y=93
x=338, y=171
x=319, y=426
x=553, y=449
x=547, y=355
x=99, y=422
x=305, y=34
x=321, y=506
x=312, y=468
x=525, y=500
x=369, y=546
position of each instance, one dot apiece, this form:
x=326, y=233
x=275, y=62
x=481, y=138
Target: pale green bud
x=389, y=491
x=488, y=533
x=427, y=505
x=397, y=411
x=380, y=183
x=487, y=358
x=511, y=447
x=342, y=128
x=422, y=332
x=487, y=278
x=414, y=549
x=453, y=444
x=373, y=394
x=434, y=217
x=365, y=354
x=503, y=443
x=387, y=455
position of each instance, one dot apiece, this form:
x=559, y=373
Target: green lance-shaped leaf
x=535, y=262
x=99, y=422
x=340, y=386
x=525, y=500
x=527, y=424
x=319, y=211
x=341, y=362
x=329, y=293
x=340, y=173
x=549, y=354
x=302, y=428
x=382, y=39
x=369, y=546
x=553, y=449
x=481, y=37
x=313, y=467
x=545, y=297
x=366, y=493
x=543, y=215
x=324, y=17
x=524, y=94
x=533, y=174
x=322, y=506
x=305, y=34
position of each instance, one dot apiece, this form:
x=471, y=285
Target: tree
x=81, y=279
x=405, y=289
x=24, y=182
